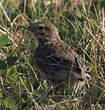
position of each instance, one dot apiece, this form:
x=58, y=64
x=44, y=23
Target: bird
x=56, y=61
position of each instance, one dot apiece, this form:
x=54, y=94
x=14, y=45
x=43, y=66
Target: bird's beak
x=28, y=27
x=25, y=27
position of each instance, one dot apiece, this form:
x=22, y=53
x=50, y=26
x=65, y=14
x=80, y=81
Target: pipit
x=55, y=60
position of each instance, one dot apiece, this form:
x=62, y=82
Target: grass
x=82, y=26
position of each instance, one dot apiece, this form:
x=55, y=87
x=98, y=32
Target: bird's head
x=44, y=31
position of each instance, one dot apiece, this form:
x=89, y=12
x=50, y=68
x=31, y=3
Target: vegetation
x=82, y=26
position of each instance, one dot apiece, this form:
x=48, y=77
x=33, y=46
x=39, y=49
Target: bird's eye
x=41, y=27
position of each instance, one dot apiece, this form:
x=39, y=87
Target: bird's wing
x=59, y=64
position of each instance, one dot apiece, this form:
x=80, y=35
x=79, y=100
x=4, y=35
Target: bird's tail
x=83, y=85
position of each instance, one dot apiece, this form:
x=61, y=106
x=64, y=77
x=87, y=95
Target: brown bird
x=55, y=60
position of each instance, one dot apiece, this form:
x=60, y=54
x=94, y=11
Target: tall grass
x=81, y=24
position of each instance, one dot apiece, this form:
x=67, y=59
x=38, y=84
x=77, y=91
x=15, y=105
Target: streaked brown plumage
x=55, y=60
